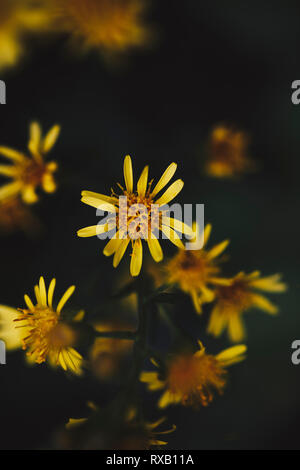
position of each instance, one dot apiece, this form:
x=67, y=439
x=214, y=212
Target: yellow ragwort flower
x=30, y=172
x=241, y=295
x=137, y=219
x=108, y=25
x=227, y=153
x=44, y=333
x=18, y=17
x=191, y=379
x=131, y=435
x=195, y=271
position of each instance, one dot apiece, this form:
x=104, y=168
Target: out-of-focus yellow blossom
x=195, y=271
x=107, y=25
x=29, y=173
x=15, y=215
x=191, y=379
x=227, y=153
x=17, y=18
x=107, y=353
x=240, y=296
x=131, y=435
x=138, y=220
x=11, y=335
x=42, y=331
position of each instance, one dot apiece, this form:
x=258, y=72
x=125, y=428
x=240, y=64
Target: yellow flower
x=227, y=153
x=18, y=17
x=191, y=379
x=45, y=334
x=194, y=271
x=137, y=219
x=234, y=300
x=109, y=25
x=106, y=353
x=29, y=173
x=131, y=435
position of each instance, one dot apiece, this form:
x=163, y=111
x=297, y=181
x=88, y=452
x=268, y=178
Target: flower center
x=237, y=295
x=32, y=172
x=138, y=216
x=194, y=378
x=45, y=333
x=191, y=269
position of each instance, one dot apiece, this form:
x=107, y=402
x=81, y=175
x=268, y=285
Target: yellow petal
x=217, y=250
x=37, y=294
x=269, y=284
x=207, y=232
x=236, y=330
x=178, y=225
x=128, y=174
x=155, y=248
x=136, y=258
x=79, y=316
x=112, y=245
x=43, y=295
x=217, y=322
x=92, y=231
x=148, y=376
x=65, y=298
x=9, y=190
x=34, y=139
x=48, y=183
x=73, y=423
x=170, y=193
x=120, y=252
x=9, y=171
x=172, y=236
x=29, y=195
x=51, y=292
x=165, y=400
x=166, y=177
x=14, y=155
x=232, y=355
x=50, y=139
x=110, y=199
x=98, y=204
x=261, y=302
x=142, y=182
x=196, y=300
x=28, y=302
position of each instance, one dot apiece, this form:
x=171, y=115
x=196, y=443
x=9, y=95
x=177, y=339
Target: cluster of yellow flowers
x=189, y=378
x=110, y=26
x=55, y=334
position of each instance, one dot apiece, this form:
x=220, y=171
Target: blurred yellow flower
x=131, y=222
x=18, y=17
x=44, y=334
x=106, y=353
x=234, y=300
x=29, y=173
x=191, y=379
x=131, y=435
x=195, y=271
x=11, y=335
x=109, y=25
x=227, y=153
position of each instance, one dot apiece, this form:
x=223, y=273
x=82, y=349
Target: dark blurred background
x=212, y=62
